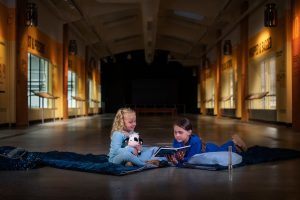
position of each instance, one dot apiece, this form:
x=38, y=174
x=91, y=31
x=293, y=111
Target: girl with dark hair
x=183, y=136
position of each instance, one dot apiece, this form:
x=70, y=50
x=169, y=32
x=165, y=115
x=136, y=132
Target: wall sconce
x=31, y=15
x=270, y=16
x=72, y=47
x=227, y=48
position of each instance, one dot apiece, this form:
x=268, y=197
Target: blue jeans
x=211, y=147
x=126, y=156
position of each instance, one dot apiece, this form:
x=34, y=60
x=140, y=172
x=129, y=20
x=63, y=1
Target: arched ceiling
x=185, y=28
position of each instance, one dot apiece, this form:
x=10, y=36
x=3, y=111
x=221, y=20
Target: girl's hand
x=135, y=151
x=179, y=155
x=172, y=159
x=139, y=148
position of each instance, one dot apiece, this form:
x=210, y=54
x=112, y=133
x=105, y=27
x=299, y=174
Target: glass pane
x=99, y=96
x=42, y=76
x=263, y=76
x=29, y=93
x=266, y=82
x=71, y=89
x=272, y=77
x=38, y=76
x=231, y=91
x=91, y=93
x=34, y=82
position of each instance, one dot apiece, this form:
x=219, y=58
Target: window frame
x=43, y=81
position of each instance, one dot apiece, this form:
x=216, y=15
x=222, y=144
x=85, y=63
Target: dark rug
x=13, y=158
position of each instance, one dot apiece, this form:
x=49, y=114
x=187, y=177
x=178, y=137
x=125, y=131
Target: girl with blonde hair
x=124, y=125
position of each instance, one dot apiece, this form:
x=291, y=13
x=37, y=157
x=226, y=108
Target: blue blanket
x=12, y=158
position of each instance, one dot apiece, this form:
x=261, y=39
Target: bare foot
x=237, y=140
x=128, y=164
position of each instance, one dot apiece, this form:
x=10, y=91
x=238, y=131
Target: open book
x=164, y=151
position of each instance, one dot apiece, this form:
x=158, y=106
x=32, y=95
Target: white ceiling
x=182, y=27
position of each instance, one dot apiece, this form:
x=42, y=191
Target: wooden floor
x=275, y=180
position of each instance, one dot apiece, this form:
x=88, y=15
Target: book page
x=164, y=151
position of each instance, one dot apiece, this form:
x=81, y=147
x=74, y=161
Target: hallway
x=276, y=180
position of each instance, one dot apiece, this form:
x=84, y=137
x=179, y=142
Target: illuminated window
x=272, y=84
x=231, y=89
x=210, y=92
x=38, y=81
x=99, y=95
x=227, y=88
x=262, y=78
x=91, y=92
x=71, y=89
x=198, y=95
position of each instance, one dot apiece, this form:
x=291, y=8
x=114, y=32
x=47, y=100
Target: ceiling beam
x=149, y=18
x=92, y=28
x=206, y=31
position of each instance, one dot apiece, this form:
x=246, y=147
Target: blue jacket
x=196, y=144
x=196, y=147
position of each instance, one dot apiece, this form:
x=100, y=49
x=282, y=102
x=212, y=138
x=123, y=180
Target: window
x=38, y=81
x=198, y=95
x=231, y=90
x=268, y=83
x=227, y=88
x=71, y=89
x=262, y=78
x=91, y=92
x=272, y=82
x=99, y=95
x=210, y=92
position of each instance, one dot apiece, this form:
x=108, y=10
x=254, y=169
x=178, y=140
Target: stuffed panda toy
x=134, y=140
